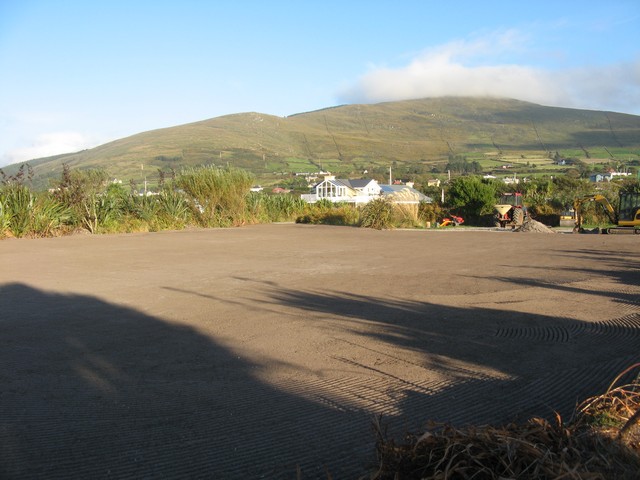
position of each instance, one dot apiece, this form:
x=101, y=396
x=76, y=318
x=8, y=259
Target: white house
x=343, y=190
x=511, y=180
x=601, y=177
x=361, y=191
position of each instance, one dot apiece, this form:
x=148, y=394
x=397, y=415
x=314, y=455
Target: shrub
x=429, y=212
x=79, y=191
x=23, y=213
x=262, y=207
x=173, y=210
x=472, y=197
x=329, y=213
x=18, y=202
x=4, y=219
x=377, y=214
x=50, y=217
x=217, y=196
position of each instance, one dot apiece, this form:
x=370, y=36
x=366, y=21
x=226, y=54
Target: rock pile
x=534, y=226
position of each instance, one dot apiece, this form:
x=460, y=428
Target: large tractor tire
x=518, y=217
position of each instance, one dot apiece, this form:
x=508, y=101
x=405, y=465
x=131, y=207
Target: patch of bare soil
x=267, y=351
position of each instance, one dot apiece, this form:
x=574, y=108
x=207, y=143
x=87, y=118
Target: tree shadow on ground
x=502, y=365
x=91, y=389
x=498, y=365
x=95, y=390
x=621, y=268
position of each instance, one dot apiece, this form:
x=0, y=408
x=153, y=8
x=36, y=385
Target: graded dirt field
x=267, y=351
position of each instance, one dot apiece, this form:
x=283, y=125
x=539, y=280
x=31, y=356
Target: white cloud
x=614, y=87
x=484, y=66
x=48, y=144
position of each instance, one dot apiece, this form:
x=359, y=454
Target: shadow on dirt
x=94, y=390
x=621, y=268
x=91, y=389
x=540, y=364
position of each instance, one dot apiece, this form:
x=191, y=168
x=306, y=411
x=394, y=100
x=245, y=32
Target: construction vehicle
x=626, y=219
x=510, y=211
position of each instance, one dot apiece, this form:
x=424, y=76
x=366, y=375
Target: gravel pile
x=534, y=226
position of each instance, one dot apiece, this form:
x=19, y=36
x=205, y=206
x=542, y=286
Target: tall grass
x=264, y=208
x=4, y=218
x=205, y=197
x=378, y=214
x=406, y=208
x=330, y=213
x=217, y=196
x=20, y=202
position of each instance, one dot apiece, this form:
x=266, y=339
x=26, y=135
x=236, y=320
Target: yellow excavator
x=626, y=219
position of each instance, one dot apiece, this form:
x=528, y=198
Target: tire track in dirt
x=560, y=391
x=480, y=400
x=550, y=390
x=555, y=334
x=196, y=406
x=625, y=329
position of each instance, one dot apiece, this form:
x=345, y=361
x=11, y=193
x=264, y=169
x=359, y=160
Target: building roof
x=392, y=189
x=360, y=182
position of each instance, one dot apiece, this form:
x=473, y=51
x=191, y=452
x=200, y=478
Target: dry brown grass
x=601, y=442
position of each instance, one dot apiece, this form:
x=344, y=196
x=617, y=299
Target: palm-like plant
x=377, y=214
x=4, y=218
x=18, y=203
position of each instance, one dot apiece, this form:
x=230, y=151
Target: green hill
x=352, y=138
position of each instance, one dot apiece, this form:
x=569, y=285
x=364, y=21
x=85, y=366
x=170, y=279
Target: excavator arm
x=579, y=203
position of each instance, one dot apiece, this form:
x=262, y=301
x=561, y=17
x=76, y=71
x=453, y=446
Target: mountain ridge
x=358, y=137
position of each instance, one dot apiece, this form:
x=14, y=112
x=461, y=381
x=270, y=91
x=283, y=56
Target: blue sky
x=76, y=73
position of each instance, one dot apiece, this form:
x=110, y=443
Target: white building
x=362, y=191
x=607, y=177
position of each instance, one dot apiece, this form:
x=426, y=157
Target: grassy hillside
x=352, y=138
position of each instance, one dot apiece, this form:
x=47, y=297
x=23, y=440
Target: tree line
x=210, y=196
x=474, y=197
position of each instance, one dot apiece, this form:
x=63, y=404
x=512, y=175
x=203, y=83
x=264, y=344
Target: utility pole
x=145, y=179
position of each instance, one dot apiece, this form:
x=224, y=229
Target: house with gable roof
x=362, y=191
x=358, y=191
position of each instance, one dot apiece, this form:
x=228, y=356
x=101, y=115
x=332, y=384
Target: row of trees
x=220, y=197
x=474, y=197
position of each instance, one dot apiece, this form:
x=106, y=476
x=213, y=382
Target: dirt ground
x=266, y=351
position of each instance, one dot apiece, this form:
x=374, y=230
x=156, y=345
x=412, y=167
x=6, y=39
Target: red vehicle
x=510, y=211
x=451, y=220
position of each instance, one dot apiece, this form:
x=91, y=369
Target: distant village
x=325, y=186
